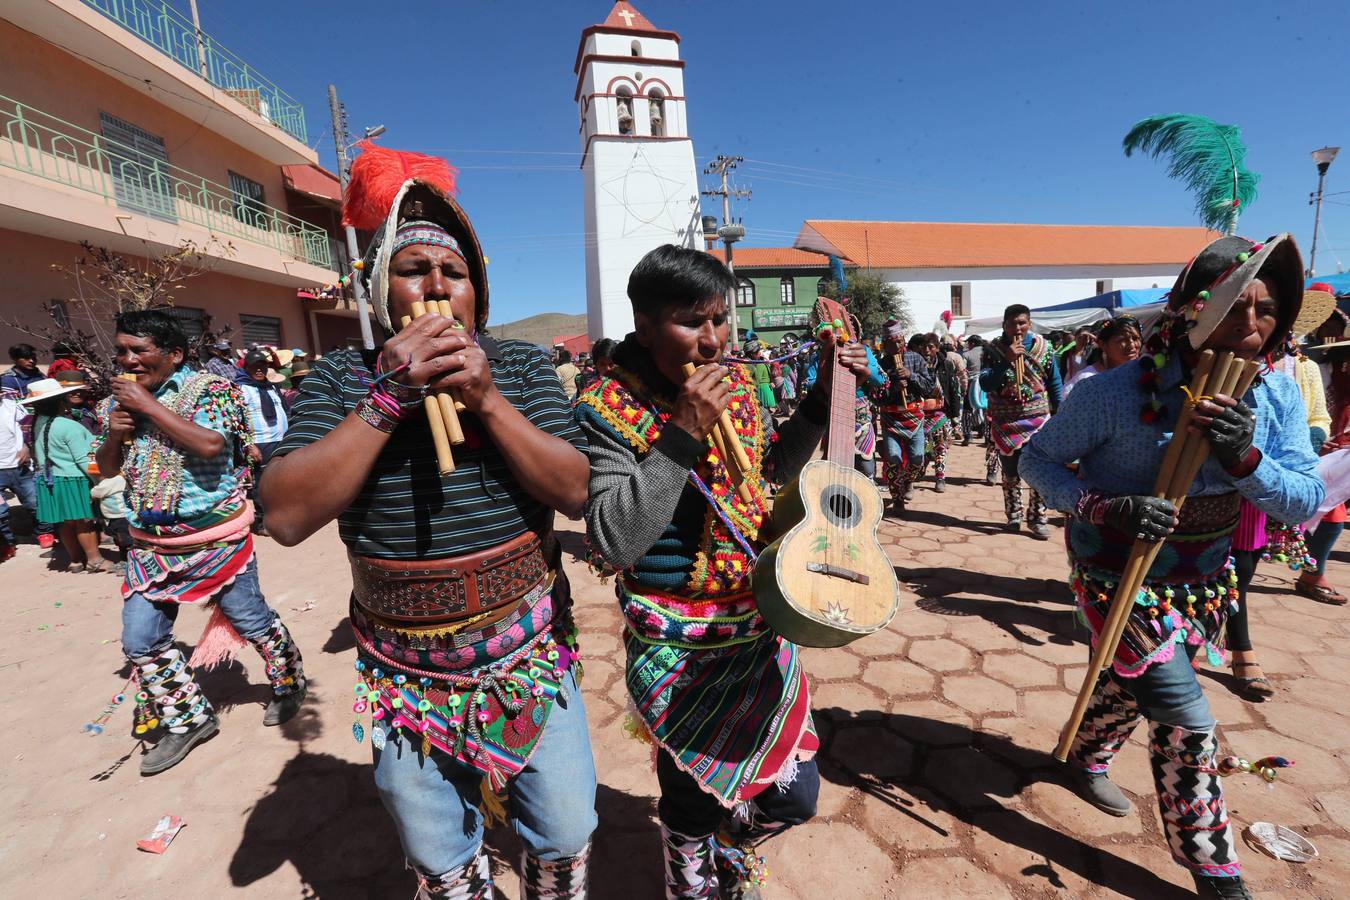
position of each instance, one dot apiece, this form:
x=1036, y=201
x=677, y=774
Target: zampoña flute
x=1185, y=455
x=440, y=431
x=729, y=447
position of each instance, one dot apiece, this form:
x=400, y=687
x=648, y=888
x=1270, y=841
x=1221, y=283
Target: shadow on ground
x=324, y=817
x=939, y=592
x=912, y=764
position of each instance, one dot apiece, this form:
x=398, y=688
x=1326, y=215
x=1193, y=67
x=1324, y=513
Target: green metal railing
x=169, y=31
x=56, y=150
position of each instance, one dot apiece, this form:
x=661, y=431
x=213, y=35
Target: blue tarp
x=1111, y=300
x=1340, y=283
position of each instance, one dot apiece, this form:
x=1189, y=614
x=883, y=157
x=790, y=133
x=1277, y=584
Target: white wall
x=991, y=289
x=638, y=195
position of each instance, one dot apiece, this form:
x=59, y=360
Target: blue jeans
x=1169, y=693
x=899, y=446
x=19, y=481
x=1321, y=541
x=434, y=799
x=147, y=628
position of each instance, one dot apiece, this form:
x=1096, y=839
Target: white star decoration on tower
x=631, y=184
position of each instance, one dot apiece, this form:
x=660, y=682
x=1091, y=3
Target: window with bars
x=249, y=205
x=961, y=299
x=260, y=330
x=787, y=292
x=190, y=319
x=138, y=163
x=745, y=292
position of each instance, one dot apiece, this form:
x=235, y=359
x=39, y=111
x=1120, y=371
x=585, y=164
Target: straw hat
x=1317, y=307
x=47, y=388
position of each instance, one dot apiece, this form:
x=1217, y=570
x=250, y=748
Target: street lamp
x=1322, y=159
x=730, y=234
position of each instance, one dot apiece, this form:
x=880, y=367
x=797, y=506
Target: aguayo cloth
x=1019, y=410
x=724, y=695
x=864, y=431
x=191, y=562
x=480, y=693
x=1187, y=595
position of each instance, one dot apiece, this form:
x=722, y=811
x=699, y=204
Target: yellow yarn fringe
x=493, y=807
x=636, y=729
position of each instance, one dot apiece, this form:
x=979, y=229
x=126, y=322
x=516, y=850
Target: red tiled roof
x=773, y=258
x=624, y=16
x=910, y=245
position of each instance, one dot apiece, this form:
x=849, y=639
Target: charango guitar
x=826, y=581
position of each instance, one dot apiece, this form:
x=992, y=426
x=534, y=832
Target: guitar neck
x=840, y=446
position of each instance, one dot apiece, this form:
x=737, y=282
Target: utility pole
x=201, y=44
x=353, y=252
x=730, y=233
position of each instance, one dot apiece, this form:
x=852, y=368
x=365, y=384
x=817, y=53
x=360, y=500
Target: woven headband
x=420, y=231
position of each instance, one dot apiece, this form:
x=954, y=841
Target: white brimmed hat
x=47, y=388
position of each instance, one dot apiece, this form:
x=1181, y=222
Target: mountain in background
x=541, y=329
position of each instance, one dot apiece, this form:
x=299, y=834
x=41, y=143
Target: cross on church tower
x=637, y=161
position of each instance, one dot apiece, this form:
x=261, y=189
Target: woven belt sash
x=425, y=590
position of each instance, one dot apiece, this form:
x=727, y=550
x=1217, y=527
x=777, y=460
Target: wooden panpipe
x=1186, y=453
x=730, y=449
x=441, y=408
x=127, y=376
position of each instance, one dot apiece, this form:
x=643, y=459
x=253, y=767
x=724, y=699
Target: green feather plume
x=1207, y=156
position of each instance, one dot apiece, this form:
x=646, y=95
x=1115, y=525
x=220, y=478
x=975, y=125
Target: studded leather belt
x=427, y=590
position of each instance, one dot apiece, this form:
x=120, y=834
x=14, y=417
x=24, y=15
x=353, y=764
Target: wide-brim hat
x=47, y=388
x=1317, y=308
x=1207, y=288
x=283, y=358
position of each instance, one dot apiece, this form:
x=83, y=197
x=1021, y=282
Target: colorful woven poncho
x=1018, y=411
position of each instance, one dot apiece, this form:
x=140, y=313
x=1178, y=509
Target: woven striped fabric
x=200, y=573
x=1010, y=436
x=734, y=715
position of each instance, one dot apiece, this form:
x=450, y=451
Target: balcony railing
x=168, y=30
x=58, y=151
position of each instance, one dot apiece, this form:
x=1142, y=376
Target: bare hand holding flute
x=701, y=410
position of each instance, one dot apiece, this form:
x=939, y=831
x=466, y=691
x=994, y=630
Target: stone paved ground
x=937, y=779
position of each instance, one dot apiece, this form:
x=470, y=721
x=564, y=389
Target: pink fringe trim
x=219, y=642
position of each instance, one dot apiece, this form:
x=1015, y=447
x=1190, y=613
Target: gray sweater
x=632, y=501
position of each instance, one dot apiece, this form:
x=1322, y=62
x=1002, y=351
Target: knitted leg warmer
x=284, y=667
x=990, y=463
x=895, y=480
x=690, y=874
x=471, y=881
x=1111, y=715
x=1036, y=512
x=554, y=879
x=1195, y=817
x=170, y=693
x=1012, y=498
x=940, y=444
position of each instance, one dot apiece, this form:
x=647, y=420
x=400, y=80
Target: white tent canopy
x=1044, y=322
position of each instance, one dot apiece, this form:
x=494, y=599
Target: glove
x=1147, y=518
x=1230, y=435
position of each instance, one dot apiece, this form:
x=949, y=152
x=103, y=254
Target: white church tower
x=636, y=157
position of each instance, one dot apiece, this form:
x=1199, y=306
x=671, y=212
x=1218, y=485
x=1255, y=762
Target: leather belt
x=425, y=590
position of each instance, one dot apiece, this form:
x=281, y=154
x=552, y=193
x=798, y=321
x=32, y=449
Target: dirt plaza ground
x=937, y=779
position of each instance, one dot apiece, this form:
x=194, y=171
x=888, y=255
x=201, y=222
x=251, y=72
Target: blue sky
x=970, y=111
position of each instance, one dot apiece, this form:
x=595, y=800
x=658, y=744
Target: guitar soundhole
x=841, y=506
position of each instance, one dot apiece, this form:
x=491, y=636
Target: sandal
x=1255, y=689
x=95, y=570
x=1319, y=592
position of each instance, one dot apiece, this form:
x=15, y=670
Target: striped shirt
x=406, y=509
x=263, y=433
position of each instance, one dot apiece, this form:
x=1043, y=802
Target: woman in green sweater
x=61, y=448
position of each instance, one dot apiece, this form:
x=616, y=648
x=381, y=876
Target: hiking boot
x=283, y=708
x=1040, y=531
x=1215, y=888
x=989, y=480
x=174, y=747
x=1013, y=527
x=1101, y=792
x=909, y=492
x=940, y=485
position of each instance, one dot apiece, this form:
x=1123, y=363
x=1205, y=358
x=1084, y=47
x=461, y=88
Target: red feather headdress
x=377, y=176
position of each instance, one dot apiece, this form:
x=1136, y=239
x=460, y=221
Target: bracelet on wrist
x=375, y=415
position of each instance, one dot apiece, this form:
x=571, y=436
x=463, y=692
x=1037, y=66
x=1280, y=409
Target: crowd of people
x=670, y=449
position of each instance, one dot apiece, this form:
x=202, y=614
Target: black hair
x=155, y=324
x=603, y=349
x=676, y=276
x=1017, y=309
x=917, y=342
x=22, y=351
x=61, y=348
x=564, y=355
x=46, y=410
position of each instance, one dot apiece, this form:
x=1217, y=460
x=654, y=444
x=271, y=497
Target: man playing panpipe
x=908, y=383
x=1235, y=297
x=1022, y=382
x=178, y=437
x=723, y=698
x=466, y=651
